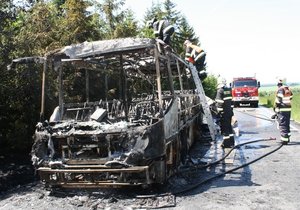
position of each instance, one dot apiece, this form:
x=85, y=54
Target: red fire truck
x=245, y=91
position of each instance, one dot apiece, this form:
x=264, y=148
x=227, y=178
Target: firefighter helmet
x=187, y=42
x=280, y=82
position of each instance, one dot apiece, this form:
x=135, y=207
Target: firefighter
x=225, y=111
x=283, y=107
x=196, y=55
x=162, y=30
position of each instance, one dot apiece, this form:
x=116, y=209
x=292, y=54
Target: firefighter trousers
x=167, y=33
x=227, y=131
x=284, y=125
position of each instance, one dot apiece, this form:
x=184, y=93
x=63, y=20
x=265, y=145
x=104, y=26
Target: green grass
x=274, y=88
x=267, y=96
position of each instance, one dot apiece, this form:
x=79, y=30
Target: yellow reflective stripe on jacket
x=284, y=139
x=280, y=95
x=219, y=109
x=167, y=28
x=160, y=26
x=286, y=100
x=285, y=109
x=219, y=101
x=228, y=98
x=200, y=55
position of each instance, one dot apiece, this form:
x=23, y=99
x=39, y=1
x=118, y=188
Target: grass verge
x=267, y=99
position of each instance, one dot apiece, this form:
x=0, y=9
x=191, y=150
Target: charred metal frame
x=119, y=142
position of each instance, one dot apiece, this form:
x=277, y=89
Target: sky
x=243, y=37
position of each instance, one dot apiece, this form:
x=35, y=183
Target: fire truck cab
x=245, y=91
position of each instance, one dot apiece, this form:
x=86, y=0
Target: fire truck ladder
x=202, y=96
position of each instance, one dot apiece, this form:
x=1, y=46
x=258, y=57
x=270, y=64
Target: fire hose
x=263, y=118
x=197, y=167
x=181, y=191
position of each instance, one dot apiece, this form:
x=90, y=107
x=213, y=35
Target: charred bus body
x=132, y=122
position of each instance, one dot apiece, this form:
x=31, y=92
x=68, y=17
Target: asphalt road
x=272, y=182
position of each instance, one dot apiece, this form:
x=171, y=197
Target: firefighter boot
x=274, y=116
x=285, y=140
x=202, y=75
x=228, y=142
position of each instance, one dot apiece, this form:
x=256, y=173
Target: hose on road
x=252, y=115
x=191, y=187
x=195, y=167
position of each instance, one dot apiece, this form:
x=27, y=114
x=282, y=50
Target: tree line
x=35, y=27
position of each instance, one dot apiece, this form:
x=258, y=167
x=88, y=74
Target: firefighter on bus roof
x=196, y=55
x=283, y=107
x=162, y=30
x=224, y=107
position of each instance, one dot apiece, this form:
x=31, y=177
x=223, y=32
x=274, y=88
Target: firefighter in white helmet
x=283, y=107
x=196, y=55
x=225, y=110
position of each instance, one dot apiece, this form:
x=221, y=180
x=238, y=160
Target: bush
x=270, y=103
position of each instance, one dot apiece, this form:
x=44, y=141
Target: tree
x=32, y=31
x=170, y=13
x=185, y=31
x=7, y=16
x=58, y=3
x=76, y=23
x=210, y=86
x=26, y=31
x=116, y=22
x=37, y=30
x=19, y=89
x=128, y=28
x=155, y=11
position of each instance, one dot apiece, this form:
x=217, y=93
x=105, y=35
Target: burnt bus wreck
x=131, y=122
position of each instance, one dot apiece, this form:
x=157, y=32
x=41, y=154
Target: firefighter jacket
x=224, y=101
x=196, y=58
x=161, y=28
x=188, y=55
x=283, y=99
